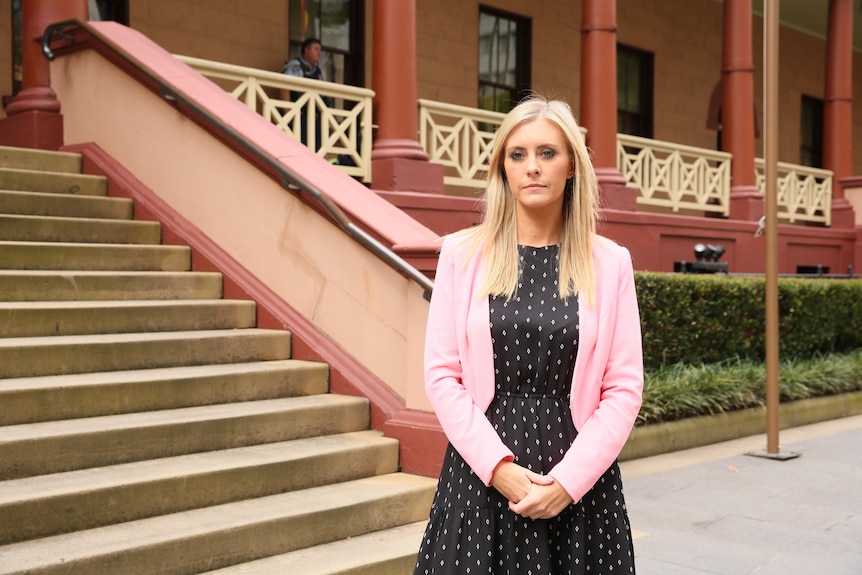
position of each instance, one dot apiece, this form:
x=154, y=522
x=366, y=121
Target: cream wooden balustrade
x=345, y=129
x=459, y=138
x=804, y=194
x=674, y=176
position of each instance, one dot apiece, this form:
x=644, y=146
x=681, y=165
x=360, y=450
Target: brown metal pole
x=770, y=160
x=771, y=172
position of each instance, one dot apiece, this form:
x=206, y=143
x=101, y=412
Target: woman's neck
x=539, y=233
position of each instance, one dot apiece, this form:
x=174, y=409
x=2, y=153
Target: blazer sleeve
x=447, y=366
x=619, y=372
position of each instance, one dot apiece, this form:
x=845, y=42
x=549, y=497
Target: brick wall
x=240, y=32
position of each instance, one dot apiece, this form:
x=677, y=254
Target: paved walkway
x=716, y=510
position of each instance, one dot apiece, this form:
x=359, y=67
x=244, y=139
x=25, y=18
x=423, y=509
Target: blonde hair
x=497, y=234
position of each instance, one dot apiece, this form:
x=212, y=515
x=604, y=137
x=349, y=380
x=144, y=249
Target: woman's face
x=537, y=164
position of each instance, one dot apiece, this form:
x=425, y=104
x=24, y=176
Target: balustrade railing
x=459, y=138
x=337, y=118
x=669, y=176
x=674, y=176
x=804, y=194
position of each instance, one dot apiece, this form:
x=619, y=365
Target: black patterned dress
x=471, y=529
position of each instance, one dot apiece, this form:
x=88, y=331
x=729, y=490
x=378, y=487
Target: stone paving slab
x=718, y=511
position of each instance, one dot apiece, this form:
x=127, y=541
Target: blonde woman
x=533, y=364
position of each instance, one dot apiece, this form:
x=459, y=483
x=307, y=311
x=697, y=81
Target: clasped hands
x=530, y=494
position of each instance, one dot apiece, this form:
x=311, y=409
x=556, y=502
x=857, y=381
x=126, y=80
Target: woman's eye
x=548, y=153
x=516, y=155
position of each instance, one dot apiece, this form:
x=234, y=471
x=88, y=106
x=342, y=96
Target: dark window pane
x=503, y=46
x=337, y=24
x=634, y=91
x=811, y=137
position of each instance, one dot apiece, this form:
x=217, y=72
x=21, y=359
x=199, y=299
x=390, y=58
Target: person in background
x=534, y=367
x=307, y=65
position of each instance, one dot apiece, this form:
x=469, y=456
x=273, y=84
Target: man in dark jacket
x=307, y=65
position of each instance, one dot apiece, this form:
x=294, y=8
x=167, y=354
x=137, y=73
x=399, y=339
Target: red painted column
x=737, y=113
x=34, y=118
x=838, y=107
x=398, y=160
x=599, y=99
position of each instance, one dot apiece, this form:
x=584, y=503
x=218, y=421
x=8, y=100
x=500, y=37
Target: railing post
x=34, y=119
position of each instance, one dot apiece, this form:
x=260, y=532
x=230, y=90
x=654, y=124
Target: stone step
x=78, y=230
x=72, y=285
x=214, y=537
x=385, y=552
x=46, y=160
x=56, y=397
x=102, y=257
x=58, y=446
x=35, y=319
x=64, y=354
x=36, y=204
x=15, y=179
x=106, y=495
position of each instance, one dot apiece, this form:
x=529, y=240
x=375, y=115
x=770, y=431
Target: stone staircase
x=147, y=425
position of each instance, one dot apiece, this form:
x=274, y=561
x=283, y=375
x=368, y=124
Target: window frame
x=646, y=90
x=523, y=58
x=354, y=59
x=811, y=152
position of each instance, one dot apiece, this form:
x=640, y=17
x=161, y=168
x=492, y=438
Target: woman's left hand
x=543, y=501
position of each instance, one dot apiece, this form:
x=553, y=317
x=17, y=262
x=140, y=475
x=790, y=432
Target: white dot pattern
x=471, y=529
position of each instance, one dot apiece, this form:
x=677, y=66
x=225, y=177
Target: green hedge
x=698, y=319
x=681, y=391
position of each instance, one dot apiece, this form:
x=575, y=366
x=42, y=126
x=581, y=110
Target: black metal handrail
x=289, y=179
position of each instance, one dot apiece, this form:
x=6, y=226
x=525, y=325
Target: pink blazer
x=608, y=378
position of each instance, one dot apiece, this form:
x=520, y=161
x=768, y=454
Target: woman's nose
x=532, y=165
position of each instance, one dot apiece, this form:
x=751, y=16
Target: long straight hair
x=497, y=234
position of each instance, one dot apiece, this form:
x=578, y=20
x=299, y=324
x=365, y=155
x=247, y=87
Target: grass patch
x=681, y=390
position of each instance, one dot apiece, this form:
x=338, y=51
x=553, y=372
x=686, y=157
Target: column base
x=406, y=175
x=33, y=129
x=616, y=195
x=398, y=148
x=41, y=99
x=746, y=203
x=843, y=215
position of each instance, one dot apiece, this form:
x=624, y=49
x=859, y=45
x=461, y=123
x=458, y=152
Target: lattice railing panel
x=675, y=177
x=343, y=113
x=804, y=194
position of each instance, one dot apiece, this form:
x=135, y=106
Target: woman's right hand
x=515, y=481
